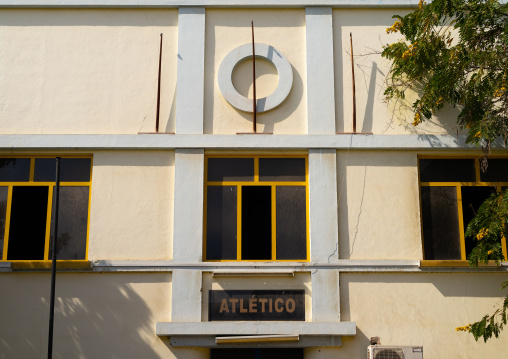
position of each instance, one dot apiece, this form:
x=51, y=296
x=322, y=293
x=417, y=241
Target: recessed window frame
x=257, y=182
x=458, y=185
x=51, y=186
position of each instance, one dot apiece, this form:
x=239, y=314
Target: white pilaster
x=188, y=218
x=186, y=295
x=323, y=206
x=325, y=295
x=190, y=91
x=320, y=78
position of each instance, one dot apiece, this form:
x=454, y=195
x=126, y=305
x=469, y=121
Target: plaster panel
x=373, y=114
x=96, y=315
x=131, y=205
x=421, y=309
x=379, y=210
x=282, y=29
x=188, y=220
x=191, y=55
x=299, y=281
x=86, y=71
x=323, y=205
x=325, y=301
x=320, y=78
x=187, y=288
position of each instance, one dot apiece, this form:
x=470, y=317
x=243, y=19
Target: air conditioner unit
x=394, y=352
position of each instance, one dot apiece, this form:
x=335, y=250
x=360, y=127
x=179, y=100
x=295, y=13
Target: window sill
x=454, y=263
x=62, y=264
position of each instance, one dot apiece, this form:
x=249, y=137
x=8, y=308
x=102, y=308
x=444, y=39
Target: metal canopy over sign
x=265, y=305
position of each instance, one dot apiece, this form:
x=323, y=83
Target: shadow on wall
x=421, y=309
x=96, y=315
x=241, y=23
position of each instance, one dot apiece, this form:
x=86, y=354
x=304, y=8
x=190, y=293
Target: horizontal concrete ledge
x=227, y=142
x=206, y=3
x=255, y=328
x=269, y=268
x=282, y=268
x=304, y=341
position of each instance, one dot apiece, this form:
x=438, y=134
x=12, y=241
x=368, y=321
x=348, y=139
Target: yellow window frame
x=51, y=186
x=256, y=182
x=458, y=185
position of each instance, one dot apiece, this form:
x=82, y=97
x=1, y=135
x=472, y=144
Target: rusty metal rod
x=159, y=89
x=253, y=81
x=53, y=261
x=354, y=90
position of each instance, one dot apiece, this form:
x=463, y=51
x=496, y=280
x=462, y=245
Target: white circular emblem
x=242, y=53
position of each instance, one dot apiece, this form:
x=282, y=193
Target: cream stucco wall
x=421, y=309
x=86, y=71
x=131, y=212
x=379, y=210
x=373, y=114
x=96, y=315
x=228, y=29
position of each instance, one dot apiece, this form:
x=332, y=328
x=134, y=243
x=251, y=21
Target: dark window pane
x=447, y=170
x=233, y=353
x=71, y=170
x=221, y=222
x=72, y=223
x=230, y=169
x=3, y=211
x=497, y=171
x=440, y=219
x=257, y=353
x=282, y=169
x=45, y=170
x=14, y=169
x=27, y=230
x=472, y=198
x=291, y=222
x=256, y=222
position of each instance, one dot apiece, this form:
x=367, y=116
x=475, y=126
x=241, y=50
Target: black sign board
x=269, y=305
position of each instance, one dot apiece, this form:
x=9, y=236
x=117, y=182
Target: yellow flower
x=489, y=252
x=500, y=92
x=417, y=120
x=478, y=134
x=466, y=328
x=483, y=232
x=394, y=28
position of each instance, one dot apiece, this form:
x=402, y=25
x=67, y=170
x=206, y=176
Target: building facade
x=203, y=239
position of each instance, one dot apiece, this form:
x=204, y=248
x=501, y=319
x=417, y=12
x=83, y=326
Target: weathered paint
x=131, y=209
x=86, y=71
x=379, y=205
x=421, y=309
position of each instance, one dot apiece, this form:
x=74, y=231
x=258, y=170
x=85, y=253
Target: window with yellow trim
x=256, y=208
x=452, y=190
x=27, y=207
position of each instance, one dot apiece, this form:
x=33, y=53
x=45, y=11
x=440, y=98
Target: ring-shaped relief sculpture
x=243, y=53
